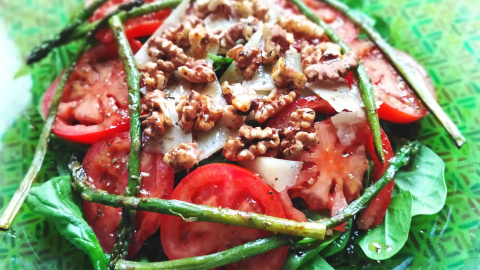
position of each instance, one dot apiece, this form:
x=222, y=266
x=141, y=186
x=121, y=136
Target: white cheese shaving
x=339, y=95
x=278, y=173
x=347, y=125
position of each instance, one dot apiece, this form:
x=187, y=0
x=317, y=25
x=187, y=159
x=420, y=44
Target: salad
x=246, y=133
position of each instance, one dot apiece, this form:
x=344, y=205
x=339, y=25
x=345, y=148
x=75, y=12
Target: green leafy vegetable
x=55, y=201
x=219, y=61
x=338, y=244
x=425, y=180
x=385, y=240
x=317, y=263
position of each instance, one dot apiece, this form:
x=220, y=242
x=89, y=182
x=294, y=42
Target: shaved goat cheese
x=339, y=95
x=348, y=125
x=278, y=173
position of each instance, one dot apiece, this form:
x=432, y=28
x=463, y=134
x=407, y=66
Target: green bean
x=126, y=228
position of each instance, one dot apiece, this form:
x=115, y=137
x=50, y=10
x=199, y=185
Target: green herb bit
x=42, y=146
x=195, y=213
x=365, y=85
x=410, y=76
x=219, y=61
x=126, y=229
x=261, y=245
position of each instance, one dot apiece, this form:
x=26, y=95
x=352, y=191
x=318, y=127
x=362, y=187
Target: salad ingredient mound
x=247, y=132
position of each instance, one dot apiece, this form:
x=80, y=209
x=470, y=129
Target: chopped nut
x=256, y=8
x=247, y=59
x=197, y=112
x=242, y=99
x=183, y=156
x=251, y=142
x=155, y=116
x=204, y=8
x=154, y=77
x=200, y=39
x=180, y=35
x=231, y=118
x=301, y=25
x=276, y=40
x=169, y=56
x=272, y=104
x=286, y=77
x=324, y=61
x=299, y=134
x=197, y=71
x=240, y=32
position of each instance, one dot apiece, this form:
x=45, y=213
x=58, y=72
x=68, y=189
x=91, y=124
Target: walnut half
x=197, y=71
x=197, y=112
x=251, y=142
x=155, y=117
x=184, y=156
x=247, y=59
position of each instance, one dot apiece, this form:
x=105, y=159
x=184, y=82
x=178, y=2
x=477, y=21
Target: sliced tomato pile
x=95, y=99
x=106, y=167
x=134, y=28
x=222, y=185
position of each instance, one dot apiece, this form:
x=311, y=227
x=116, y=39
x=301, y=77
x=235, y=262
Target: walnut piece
x=272, y=104
x=168, y=58
x=299, y=134
x=223, y=8
x=184, y=156
x=256, y=8
x=197, y=112
x=242, y=99
x=286, y=77
x=277, y=40
x=247, y=59
x=180, y=35
x=301, y=25
x=239, y=33
x=324, y=61
x=155, y=116
x=197, y=71
x=251, y=142
x=200, y=39
x=231, y=118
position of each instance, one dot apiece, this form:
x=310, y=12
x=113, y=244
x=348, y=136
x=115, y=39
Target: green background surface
x=444, y=35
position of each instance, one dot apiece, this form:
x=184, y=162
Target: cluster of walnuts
x=320, y=60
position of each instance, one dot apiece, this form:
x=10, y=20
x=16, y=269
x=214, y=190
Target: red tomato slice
x=332, y=174
x=222, y=185
x=134, y=28
x=316, y=103
x=373, y=215
x=106, y=167
x=95, y=100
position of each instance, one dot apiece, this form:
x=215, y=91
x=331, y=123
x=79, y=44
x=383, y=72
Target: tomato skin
x=95, y=99
x=316, y=103
x=229, y=186
x=106, y=169
x=134, y=28
x=375, y=212
x=393, y=114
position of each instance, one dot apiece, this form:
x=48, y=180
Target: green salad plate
x=443, y=35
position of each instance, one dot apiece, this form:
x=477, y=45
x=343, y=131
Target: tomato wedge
x=134, y=28
x=373, y=215
x=106, y=167
x=222, y=185
x=95, y=99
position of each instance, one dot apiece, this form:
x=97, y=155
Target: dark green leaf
x=55, y=201
x=385, y=240
x=382, y=28
x=220, y=62
x=425, y=181
x=338, y=244
x=316, y=263
x=354, y=3
x=299, y=256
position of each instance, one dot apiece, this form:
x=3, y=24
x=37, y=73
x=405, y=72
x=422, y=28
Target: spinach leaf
x=55, y=201
x=302, y=255
x=317, y=263
x=385, y=240
x=219, y=61
x=340, y=243
x=425, y=180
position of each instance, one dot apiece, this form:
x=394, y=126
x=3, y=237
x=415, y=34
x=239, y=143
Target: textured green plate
x=444, y=35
